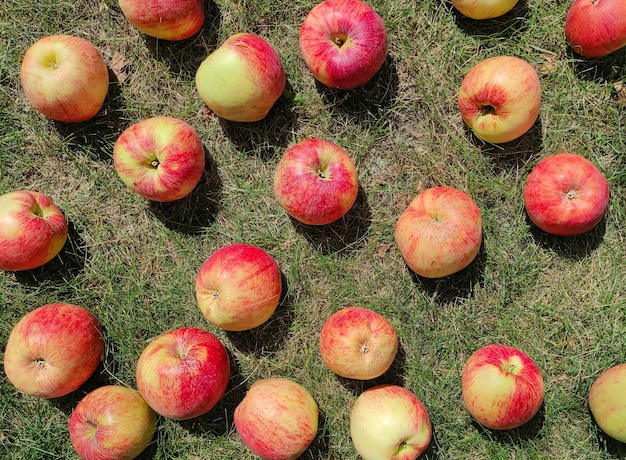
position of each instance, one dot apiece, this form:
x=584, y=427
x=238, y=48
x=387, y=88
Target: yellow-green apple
x=160, y=158
x=502, y=387
x=566, y=194
x=596, y=28
x=358, y=343
x=277, y=419
x=242, y=79
x=388, y=422
x=53, y=350
x=484, y=9
x=499, y=98
x=316, y=182
x=343, y=43
x=111, y=422
x=183, y=373
x=607, y=403
x=165, y=19
x=238, y=287
x=65, y=78
x=33, y=230
x=440, y=232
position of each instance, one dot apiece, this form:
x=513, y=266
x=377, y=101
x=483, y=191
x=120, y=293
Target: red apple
x=165, y=19
x=183, y=373
x=484, y=9
x=499, y=98
x=358, y=343
x=595, y=28
x=440, y=232
x=502, y=387
x=565, y=194
x=53, y=350
x=33, y=230
x=65, y=78
x=242, y=79
x=160, y=158
x=388, y=422
x=277, y=419
x=113, y=423
x=316, y=182
x=607, y=403
x=343, y=43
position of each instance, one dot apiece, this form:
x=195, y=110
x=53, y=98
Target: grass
x=133, y=263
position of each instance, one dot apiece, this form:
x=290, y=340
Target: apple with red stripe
x=165, y=19
x=596, y=28
x=607, y=403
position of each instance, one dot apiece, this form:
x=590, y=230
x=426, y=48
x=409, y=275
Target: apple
x=238, y=287
x=165, y=19
x=242, y=79
x=65, y=78
x=607, y=403
x=112, y=422
x=53, y=350
x=565, y=194
x=499, y=98
x=484, y=9
x=502, y=387
x=316, y=182
x=277, y=419
x=596, y=28
x=160, y=158
x=440, y=232
x=33, y=230
x=183, y=373
x=388, y=422
x=343, y=43
x=358, y=343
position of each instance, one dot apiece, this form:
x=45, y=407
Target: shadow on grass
x=505, y=26
x=515, y=436
x=602, y=70
x=613, y=447
x=573, y=247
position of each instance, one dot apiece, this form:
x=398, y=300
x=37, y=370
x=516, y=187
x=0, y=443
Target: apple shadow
x=515, y=436
x=505, y=26
x=602, y=70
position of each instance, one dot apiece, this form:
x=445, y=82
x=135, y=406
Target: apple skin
x=238, y=287
x=499, y=98
x=33, y=230
x=53, y=350
x=440, y=232
x=316, y=182
x=358, y=343
x=160, y=158
x=565, y=194
x=183, y=373
x=165, y=19
x=112, y=422
x=242, y=79
x=607, y=404
x=484, y=9
x=277, y=419
x=502, y=387
x=388, y=422
x=343, y=43
x=596, y=28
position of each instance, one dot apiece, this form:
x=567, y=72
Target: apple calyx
x=402, y=446
x=364, y=349
x=570, y=195
x=155, y=163
x=339, y=39
x=40, y=363
x=488, y=110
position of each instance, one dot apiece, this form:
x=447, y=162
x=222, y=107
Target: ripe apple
x=53, y=350
x=484, y=9
x=565, y=194
x=183, y=373
x=358, y=343
x=502, y=387
x=388, y=422
x=595, y=28
x=238, y=287
x=277, y=419
x=343, y=43
x=499, y=98
x=316, y=182
x=440, y=232
x=242, y=79
x=165, y=19
x=112, y=422
x=160, y=158
x=65, y=78
x=607, y=403
x=33, y=230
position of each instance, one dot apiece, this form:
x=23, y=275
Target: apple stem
x=364, y=349
x=510, y=368
x=320, y=174
x=40, y=363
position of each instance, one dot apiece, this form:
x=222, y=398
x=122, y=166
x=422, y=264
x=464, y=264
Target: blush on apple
x=607, y=403
x=165, y=19
x=596, y=28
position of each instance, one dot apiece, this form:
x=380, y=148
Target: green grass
x=133, y=263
